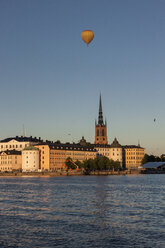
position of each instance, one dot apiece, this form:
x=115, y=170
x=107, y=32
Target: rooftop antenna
x=23, y=133
x=138, y=143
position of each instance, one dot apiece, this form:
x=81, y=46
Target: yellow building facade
x=10, y=160
x=133, y=156
x=53, y=156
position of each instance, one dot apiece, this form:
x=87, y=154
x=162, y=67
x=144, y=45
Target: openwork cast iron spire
x=100, y=117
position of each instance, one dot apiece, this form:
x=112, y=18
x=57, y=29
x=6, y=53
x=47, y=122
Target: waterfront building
x=153, y=167
x=103, y=150
x=113, y=151
x=101, y=127
x=53, y=155
x=18, y=143
x=10, y=160
x=133, y=156
x=30, y=159
x=116, y=152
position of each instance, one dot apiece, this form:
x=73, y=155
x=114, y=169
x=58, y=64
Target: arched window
x=97, y=132
x=103, y=132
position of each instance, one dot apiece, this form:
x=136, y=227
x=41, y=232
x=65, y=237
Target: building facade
x=10, y=160
x=18, y=143
x=53, y=156
x=116, y=152
x=133, y=156
x=30, y=159
x=113, y=151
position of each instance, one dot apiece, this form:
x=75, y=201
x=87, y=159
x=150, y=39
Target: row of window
x=137, y=158
x=102, y=132
x=13, y=146
x=8, y=162
x=5, y=168
x=137, y=153
x=134, y=162
x=7, y=157
x=30, y=152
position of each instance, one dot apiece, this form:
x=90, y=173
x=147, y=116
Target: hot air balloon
x=87, y=36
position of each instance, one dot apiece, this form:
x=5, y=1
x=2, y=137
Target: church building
x=101, y=128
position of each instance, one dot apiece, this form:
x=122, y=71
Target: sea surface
x=83, y=211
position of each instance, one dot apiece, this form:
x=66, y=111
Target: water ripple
x=112, y=211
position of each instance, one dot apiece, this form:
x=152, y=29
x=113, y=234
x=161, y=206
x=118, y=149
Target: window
x=97, y=132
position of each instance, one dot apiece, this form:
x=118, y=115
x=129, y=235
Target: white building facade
x=116, y=151
x=30, y=159
x=113, y=151
x=18, y=143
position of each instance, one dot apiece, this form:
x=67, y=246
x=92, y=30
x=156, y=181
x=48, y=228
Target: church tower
x=100, y=127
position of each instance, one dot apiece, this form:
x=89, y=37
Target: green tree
x=145, y=159
x=79, y=164
x=70, y=164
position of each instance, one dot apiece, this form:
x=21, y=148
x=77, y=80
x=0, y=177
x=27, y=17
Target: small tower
x=100, y=127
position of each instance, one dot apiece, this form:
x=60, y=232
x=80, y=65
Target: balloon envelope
x=87, y=36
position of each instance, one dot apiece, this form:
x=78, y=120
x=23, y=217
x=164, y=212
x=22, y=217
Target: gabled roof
x=115, y=144
x=11, y=152
x=153, y=165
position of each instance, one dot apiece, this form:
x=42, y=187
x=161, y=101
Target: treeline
x=151, y=158
x=97, y=164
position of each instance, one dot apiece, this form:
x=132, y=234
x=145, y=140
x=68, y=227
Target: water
x=89, y=211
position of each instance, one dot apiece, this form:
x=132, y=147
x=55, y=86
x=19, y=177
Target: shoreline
x=64, y=174
x=78, y=173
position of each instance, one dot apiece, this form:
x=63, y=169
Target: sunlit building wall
x=133, y=156
x=30, y=159
x=10, y=160
x=18, y=143
x=53, y=156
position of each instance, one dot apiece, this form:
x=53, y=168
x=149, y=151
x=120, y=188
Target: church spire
x=100, y=117
x=101, y=127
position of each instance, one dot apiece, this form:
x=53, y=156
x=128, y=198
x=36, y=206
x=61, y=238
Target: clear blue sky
x=50, y=80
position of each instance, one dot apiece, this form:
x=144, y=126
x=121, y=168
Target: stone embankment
x=66, y=173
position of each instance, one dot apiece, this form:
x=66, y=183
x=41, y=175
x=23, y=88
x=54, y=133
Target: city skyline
x=51, y=82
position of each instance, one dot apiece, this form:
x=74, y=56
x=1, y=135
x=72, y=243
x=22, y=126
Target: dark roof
x=67, y=146
x=132, y=146
x=22, y=139
x=115, y=144
x=153, y=165
x=102, y=145
x=11, y=152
